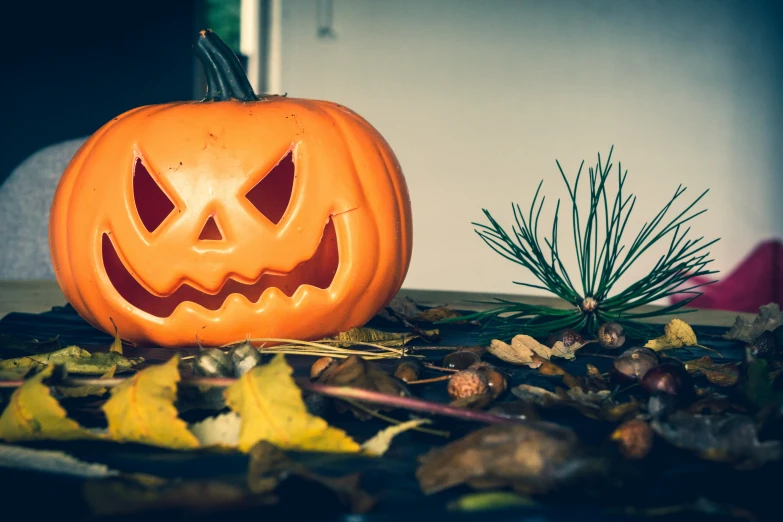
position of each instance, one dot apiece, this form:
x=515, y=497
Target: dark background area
x=69, y=67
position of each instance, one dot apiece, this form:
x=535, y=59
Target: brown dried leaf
x=559, y=349
x=370, y=335
x=433, y=315
x=769, y=318
x=356, y=372
x=522, y=350
x=721, y=374
x=594, y=380
x=550, y=368
x=535, y=457
x=269, y=466
x=594, y=405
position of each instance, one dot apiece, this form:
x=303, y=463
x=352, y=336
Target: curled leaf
x=769, y=318
x=141, y=409
x=719, y=374
x=116, y=346
x=370, y=335
x=559, y=349
x=271, y=407
x=33, y=414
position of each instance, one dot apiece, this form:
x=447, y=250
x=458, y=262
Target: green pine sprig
x=602, y=258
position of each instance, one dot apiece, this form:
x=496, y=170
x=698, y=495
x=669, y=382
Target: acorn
x=634, y=439
x=495, y=379
x=212, y=362
x=611, y=335
x=670, y=379
x=320, y=366
x=244, y=357
x=567, y=336
x=409, y=369
x=467, y=383
x=632, y=364
x=460, y=360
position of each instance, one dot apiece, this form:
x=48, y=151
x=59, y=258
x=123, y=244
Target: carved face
x=277, y=218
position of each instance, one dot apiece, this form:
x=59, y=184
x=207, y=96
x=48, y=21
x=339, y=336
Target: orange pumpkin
x=236, y=215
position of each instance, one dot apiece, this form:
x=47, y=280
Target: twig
x=433, y=379
x=391, y=420
x=439, y=368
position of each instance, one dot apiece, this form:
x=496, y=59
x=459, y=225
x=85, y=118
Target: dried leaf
x=594, y=379
x=18, y=457
x=379, y=444
x=434, y=315
x=769, y=318
x=720, y=374
x=522, y=350
x=116, y=346
x=594, y=405
x=731, y=438
x=141, y=409
x=73, y=392
x=269, y=466
x=76, y=360
x=400, y=306
x=559, y=349
x=355, y=372
x=118, y=496
x=550, y=368
x=535, y=457
x=677, y=333
x=33, y=414
x=271, y=407
x=220, y=431
x=370, y=335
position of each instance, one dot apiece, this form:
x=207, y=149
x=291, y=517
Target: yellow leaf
x=33, y=414
x=116, y=346
x=86, y=391
x=379, y=444
x=141, y=409
x=677, y=333
x=271, y=407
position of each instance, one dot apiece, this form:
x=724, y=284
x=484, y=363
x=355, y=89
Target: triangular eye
x=152, y=204
x=272, y=194
x=211, y=231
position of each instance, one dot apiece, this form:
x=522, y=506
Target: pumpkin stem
x=226, y=80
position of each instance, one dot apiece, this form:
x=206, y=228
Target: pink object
x=758, y=280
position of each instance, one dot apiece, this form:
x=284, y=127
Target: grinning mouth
x=318, y=271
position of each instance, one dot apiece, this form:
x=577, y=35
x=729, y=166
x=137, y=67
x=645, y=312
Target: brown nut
x=632, y=364
x=467, y=383
x=566, y=336
x=320, y=366
x=495, y=379
x=634, y=439
x=611, y=336
x=460, y=360
x=409, y=369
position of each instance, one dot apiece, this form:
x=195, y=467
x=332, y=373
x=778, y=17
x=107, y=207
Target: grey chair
x=25, y=199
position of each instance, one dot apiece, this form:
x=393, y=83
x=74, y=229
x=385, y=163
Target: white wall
x=478, y=99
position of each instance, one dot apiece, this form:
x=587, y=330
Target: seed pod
x=245, y=357
x=567, y=336
x=320, y=366
x=212, y=362
x=467, y=383
x=409, y=369
x=495, y=379
x=611, y=335
x=632, y=364
x=460, y=360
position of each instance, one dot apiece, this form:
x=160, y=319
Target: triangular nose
x=210, y=232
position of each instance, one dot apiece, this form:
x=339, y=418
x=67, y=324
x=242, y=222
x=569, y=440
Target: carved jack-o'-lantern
x=236, y=215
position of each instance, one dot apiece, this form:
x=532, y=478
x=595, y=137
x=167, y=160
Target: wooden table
x=40, y=296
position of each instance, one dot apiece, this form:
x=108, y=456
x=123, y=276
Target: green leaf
x=76, y=360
